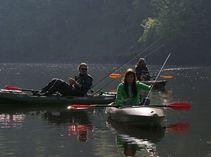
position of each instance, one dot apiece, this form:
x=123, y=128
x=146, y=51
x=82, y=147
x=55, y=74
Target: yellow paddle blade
x=115, y=76
x=166, y=76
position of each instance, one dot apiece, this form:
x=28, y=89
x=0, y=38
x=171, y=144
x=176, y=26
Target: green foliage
x=183, y=25
x=150, y=26
x=172, y=15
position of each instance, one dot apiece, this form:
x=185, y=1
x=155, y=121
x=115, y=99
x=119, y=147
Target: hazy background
x=105, y=31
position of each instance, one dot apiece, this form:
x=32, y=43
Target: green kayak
x=16, y=98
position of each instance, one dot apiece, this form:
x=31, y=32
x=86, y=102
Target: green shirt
x=122, y=98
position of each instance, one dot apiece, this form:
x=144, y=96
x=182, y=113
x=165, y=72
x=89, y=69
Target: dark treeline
x=105, y=30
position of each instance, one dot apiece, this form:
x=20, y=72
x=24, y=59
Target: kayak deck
x=139, y=115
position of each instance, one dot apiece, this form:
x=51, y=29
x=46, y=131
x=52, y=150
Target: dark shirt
x=85, y=81
x=142, y=73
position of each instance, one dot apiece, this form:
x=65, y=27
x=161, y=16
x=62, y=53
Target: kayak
x=157, y=85
x=137, y=115
x=16, y=98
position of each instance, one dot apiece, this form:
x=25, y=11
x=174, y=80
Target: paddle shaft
x=164, y=76
x=175, y=105
x=89, y=106
x=117, y=76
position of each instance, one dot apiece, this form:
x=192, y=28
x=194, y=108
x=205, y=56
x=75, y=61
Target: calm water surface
x=57, y=132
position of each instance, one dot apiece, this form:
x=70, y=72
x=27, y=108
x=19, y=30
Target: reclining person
x=76, y=87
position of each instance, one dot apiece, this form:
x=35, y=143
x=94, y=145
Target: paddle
x=117, y=76
x=86, y=107
x=183, y=106
x=10, y=87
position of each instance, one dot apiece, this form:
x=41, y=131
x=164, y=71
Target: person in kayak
x=79, y=86
x=142, y=72
x=128, y=92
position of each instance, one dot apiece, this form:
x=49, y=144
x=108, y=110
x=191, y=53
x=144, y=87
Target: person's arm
x=74, y=82
x=142, y=86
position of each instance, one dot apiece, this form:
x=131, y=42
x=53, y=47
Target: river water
x=53, y=132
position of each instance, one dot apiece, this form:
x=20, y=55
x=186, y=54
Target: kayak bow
x=141, y=115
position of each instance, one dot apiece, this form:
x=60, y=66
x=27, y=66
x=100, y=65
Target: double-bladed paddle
x=117, y=76
x=183, y=106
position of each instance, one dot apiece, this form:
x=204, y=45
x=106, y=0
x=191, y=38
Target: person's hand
x=72, y=81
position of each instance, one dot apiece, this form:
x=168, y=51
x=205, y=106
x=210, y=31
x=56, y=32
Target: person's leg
x=49, y=85
x=60, y=86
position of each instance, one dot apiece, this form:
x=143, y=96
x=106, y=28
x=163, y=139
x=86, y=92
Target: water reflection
x=80, y=130
x=132, y=141
x=77, y=122
x=11, y=120
x=182, y=127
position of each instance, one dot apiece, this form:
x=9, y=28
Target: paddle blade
x=9, y=87
x=185, y=106
x=166, y=76
x=115, y=76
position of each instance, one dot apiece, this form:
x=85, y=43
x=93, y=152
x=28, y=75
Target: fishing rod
x=130, y=60
x=157, y=77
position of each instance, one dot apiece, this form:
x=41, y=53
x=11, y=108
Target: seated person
x=76, y=87
x=128, y=92
x=142, y=72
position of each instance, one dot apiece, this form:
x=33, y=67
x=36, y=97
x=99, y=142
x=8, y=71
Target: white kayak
x=137, y=115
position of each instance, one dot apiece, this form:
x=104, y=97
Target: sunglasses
x=84, y=69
